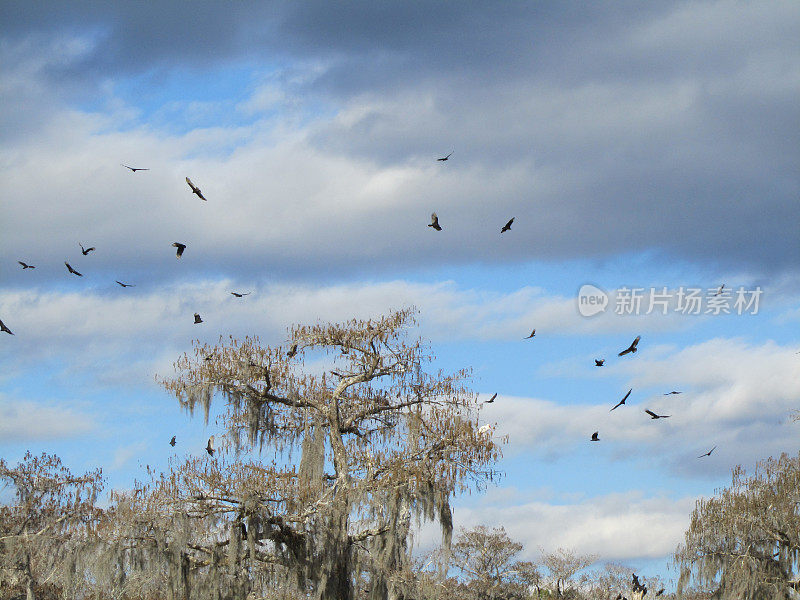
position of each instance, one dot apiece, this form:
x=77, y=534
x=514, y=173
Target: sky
x=649, y=150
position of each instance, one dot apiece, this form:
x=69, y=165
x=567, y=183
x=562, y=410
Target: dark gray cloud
x=604, y=129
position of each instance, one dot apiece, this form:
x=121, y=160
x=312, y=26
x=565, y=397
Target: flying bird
x=655, y=416
x=180, y=247
x=533, y=333
x=238, y=295
x=507, y=226
x=444, y=158
x=292, y=351
x=195, y=189
x=210, y=446
x=632, y=347
x=672, y=392
x=719, y=291
x=708, y=453
x=134, y=169
x=172, y=441
x=435, y=222
x=125, y=284
x=595, y=436
x=85, y=251
x=659, y=592
x=490, y=400
x=71, y=270
x=599, y=362
x=25, y=265
x=197, y=319
x=621, y=402
x=5, y=329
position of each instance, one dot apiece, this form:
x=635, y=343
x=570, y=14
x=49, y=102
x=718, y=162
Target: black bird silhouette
x=195, y=189
x=238, y=295
x=210, y=446
x=180, y=247
x=598, y=362
x=4, y=328
x=125, y=284
x=85, y=251
x=134, y=169
x=655, y=416
x=708, y=453
x=672, y=392
x=243, y=529
x=71, y=270
x=25, y=265
x=533, y=333
x=595, y=436
x=621, y=402
x=507, y=226
x=444, y=158
x=632, y=347
x=435, y=222
x=490, y=400
x=292, y=351
x=719, y=291
x=659, y=592
x=197, y=319
x=172, y=441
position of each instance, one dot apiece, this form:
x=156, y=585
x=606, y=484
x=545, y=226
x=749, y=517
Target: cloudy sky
x=652, y=147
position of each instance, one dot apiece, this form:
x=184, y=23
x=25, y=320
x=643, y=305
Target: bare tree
x=380, y=442
x=745, y=541
x=50, y=527
x=485, y=558
x=563, y=565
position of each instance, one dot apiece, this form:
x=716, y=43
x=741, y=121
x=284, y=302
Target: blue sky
x=636, y=146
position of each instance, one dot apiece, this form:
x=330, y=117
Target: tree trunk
x=335, y=580
x=29, y=595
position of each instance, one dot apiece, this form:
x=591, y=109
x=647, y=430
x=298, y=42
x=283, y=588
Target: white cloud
x=736, y=395
x=23, y=420
x=617, y=527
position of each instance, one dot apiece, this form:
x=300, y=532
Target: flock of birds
x=434, y=224
x=599, y=362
